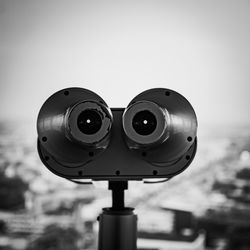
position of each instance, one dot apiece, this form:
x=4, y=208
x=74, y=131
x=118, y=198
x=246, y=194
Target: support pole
x=118, y=224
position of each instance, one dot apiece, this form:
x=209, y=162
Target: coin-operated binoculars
x=80, y=138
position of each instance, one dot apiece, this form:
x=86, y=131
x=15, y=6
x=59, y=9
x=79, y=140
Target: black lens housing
x=88, y=123
x=64, y=130
x=80, y=137
x=144, y=124
x=169, y=130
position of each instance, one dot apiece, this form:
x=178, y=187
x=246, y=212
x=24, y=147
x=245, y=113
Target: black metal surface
x=117, y=230
x=57, y=126
x=118, y=224
x=112, y=158
x=103, y=166
x=180, y=124
x=118, y=188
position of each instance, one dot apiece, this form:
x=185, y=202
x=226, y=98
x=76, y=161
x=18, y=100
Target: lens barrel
x=88, y=123
x=71, y=123
x=160, y=125
x=145, y=123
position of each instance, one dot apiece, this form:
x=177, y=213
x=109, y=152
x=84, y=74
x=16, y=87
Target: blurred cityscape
x=206, y=207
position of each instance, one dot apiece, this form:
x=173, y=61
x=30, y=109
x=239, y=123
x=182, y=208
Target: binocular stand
x=118, y=224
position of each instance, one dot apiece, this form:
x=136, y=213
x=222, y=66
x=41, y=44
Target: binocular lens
x=89, y=121
x=144, y=122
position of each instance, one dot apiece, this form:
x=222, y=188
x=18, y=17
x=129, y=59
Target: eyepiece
x=145, y=123
x=88, y=122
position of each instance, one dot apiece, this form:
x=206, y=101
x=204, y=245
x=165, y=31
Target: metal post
x=118, y=224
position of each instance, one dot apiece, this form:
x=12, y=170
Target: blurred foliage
x=12, y=192
x=3, y=228
x=244, y=174
x=68, y=207
x=6, y=248
x=239, y=239
x=223, y=187
x=56, y=238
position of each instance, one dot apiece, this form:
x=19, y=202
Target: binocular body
x=80, y=137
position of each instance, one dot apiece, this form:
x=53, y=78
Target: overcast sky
x=120, y=48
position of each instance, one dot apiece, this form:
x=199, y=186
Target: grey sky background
x=120, y=48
